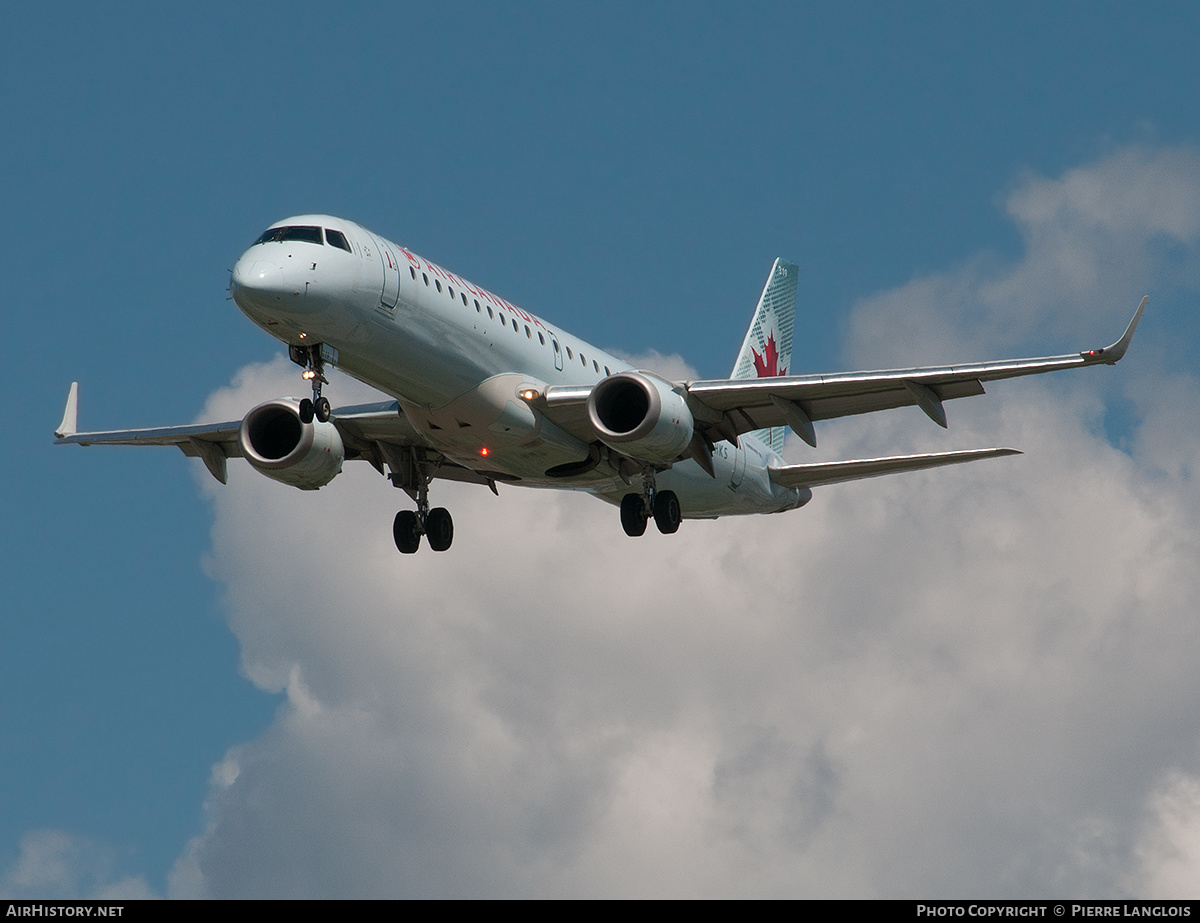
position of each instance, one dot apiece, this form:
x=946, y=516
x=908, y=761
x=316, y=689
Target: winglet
x=70, y=421
x=1112, y=354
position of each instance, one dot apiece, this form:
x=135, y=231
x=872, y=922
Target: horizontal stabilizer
x=836, y=472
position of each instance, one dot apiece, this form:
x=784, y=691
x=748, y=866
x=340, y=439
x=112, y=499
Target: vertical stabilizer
x=767, y=349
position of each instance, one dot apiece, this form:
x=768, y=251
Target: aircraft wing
x=729, y=408
x=212, y=442
x=375, y=432
x=836, y=472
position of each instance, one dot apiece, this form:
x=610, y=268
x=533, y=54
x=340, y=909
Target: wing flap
x=223, y=433
x=818, y=474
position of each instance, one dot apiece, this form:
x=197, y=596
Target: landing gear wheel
x=406, y=531
x=667, y=515
x=439, y=529
x=313, y=359
x=633, y=515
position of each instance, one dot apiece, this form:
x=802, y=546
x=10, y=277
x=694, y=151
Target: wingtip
x=70, y=421
x=1112, y=354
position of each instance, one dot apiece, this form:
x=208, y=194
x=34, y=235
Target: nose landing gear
x=313, y=358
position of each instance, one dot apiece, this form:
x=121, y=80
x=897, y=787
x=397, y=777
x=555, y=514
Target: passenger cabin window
x=438, y=284
x=337, y=239
x=300, y=232
x=412, y=271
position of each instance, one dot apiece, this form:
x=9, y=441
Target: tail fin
x=767, y=349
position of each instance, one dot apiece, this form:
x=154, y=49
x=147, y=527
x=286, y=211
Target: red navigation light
x=484, y=451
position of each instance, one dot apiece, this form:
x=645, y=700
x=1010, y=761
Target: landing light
x=308, y=374
x=529, y=394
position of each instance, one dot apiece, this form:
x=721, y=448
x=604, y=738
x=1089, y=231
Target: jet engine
x=640, y=414
x=275, y=441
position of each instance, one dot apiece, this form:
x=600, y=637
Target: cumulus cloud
x=1168, y=853
x=52, y=865
x=972, y=681
x=672, y=367
x=1096, y=239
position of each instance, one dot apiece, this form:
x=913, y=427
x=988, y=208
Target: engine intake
x=642, y=415
x=278, y=444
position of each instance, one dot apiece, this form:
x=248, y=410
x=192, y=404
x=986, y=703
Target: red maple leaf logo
x=766, y=365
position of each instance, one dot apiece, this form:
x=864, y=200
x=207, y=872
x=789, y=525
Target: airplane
x=480, y=390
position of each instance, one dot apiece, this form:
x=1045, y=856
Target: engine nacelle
x=641, y=415
x=277, y=443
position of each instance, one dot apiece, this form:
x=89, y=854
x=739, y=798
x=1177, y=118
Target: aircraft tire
x=633, y=515
x=439, y=528
x=322, y=410
x=667, y=514
x=306, y=411
x=405, y=532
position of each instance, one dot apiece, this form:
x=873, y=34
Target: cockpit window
x=299, y=232
x=337, y=239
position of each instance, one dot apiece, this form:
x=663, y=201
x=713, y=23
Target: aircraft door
x=390, y=293
x=738, y=468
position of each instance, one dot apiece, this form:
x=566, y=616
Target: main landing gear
x=313, y=360
x=435, y=524
x=663, y=505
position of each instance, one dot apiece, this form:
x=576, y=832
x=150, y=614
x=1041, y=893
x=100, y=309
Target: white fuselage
x=456, y=357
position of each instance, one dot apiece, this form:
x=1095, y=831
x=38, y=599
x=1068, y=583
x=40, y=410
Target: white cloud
x=1096, y=240
x=53, y=865
x=964, y=682
x=672, y=367
x=1168, y=852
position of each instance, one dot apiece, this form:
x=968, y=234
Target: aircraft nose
x=260, y=277
x=260, y=288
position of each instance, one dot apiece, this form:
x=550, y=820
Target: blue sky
x=997, y=179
